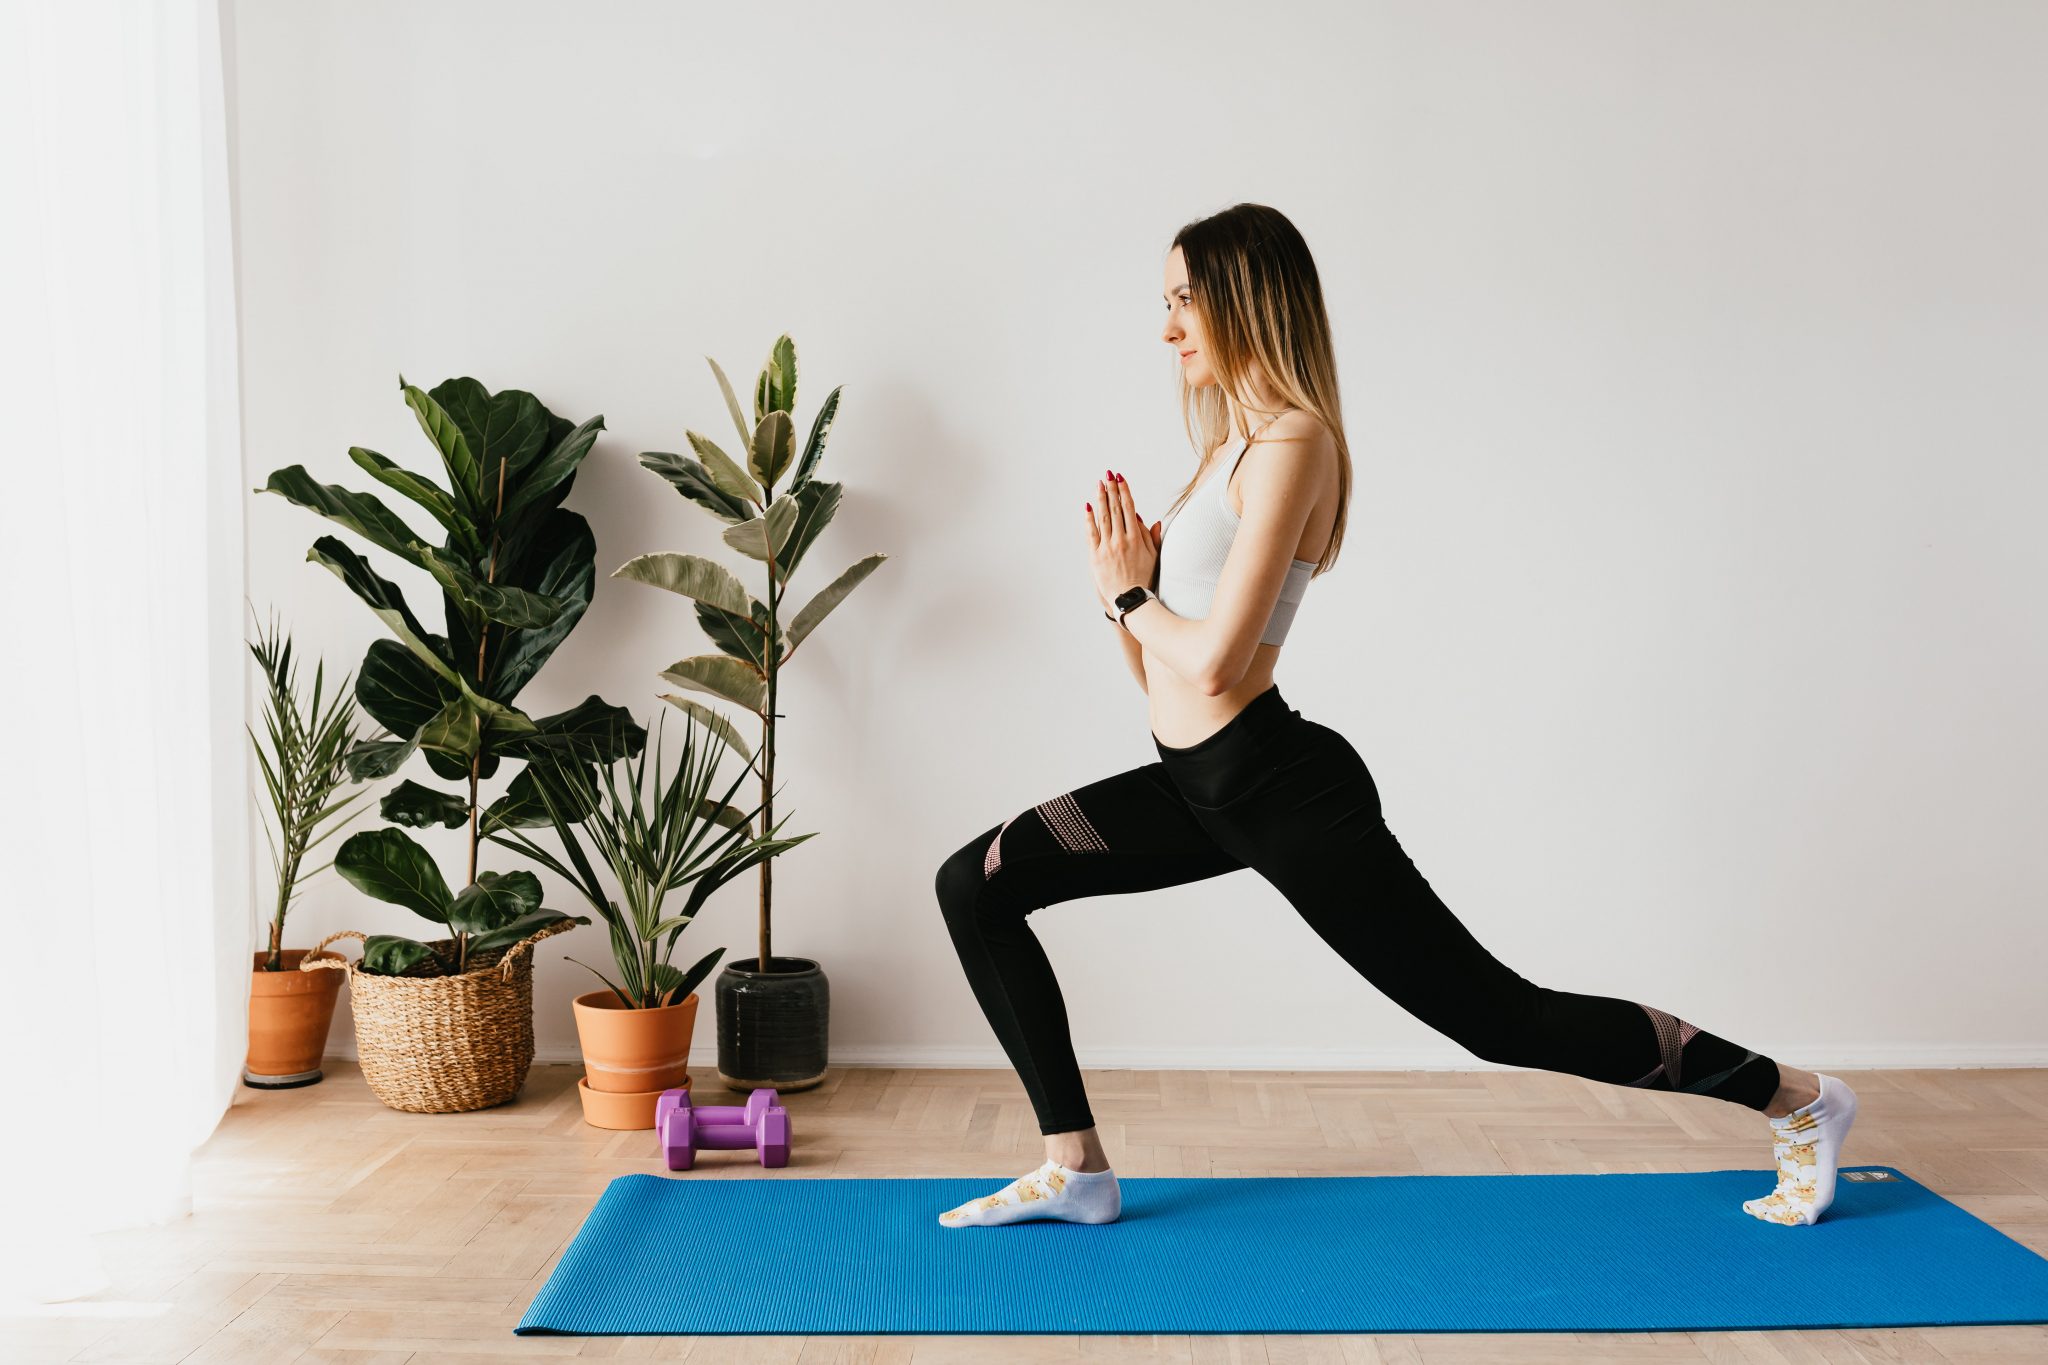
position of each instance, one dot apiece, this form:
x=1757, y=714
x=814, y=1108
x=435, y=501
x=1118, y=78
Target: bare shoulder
x=1294, y=451
x=1303, y=430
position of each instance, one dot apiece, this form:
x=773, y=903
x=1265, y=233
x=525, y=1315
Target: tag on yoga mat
x=1626, y=1252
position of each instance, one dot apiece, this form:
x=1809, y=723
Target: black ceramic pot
x=771, y=1025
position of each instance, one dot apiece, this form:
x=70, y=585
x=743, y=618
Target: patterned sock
x=1051, y=1191
x=1807, y=1143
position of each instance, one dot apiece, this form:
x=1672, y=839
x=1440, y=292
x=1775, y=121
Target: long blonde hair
x=1261, y=301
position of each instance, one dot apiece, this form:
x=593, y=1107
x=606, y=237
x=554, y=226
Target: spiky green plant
x=302, y=769
x=656, y=839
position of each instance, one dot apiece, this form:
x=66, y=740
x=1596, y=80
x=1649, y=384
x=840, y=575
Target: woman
x=1244, y=780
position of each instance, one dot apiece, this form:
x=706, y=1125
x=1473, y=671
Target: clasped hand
x=1123, y=551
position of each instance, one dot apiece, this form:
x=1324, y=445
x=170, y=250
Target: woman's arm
x=1279, y=488
x=1134, y=656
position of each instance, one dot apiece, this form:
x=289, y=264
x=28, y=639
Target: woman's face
x=1183, y=324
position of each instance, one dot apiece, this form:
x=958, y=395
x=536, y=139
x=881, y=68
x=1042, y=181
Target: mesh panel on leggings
x=1062, y=818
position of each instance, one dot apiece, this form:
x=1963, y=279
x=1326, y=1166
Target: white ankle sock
x=1807, y=1144
x=1051, y=1191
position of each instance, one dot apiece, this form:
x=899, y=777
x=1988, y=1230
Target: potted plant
x=657, y=836
x=290, y=1011
x=773, y=1012
x=447, y=1024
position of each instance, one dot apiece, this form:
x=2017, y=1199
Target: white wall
x=1690, y=616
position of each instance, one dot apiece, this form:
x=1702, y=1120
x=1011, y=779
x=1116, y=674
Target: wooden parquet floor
x=331, y=1229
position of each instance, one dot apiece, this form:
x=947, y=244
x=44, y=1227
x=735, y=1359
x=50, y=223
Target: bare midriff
x=1181, y=714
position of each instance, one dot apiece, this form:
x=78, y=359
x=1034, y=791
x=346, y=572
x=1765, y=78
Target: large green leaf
x=514, y=607
x=423, y=491
x=593, y=731
x=721, y=677
x=775, y=390
x=507, y=935
x=375, y=758
x=420, y=807
x=360, y=512
x=394, y=955
x=561, y=564
x=508, y=427
x=743, y=637
x=830, y=596
x=755, y=538
x=456, y=730
x=383, y=598
x=558, y=464
x=774, y=446
x=492, y=901
x=524, y=807
x=816, y=504
x=694, y=482
x=465, y=477
x=398, y=690
x=725, y=473
x=694, y=576
x=388, y=865
x=732, y=403
x=814, y=448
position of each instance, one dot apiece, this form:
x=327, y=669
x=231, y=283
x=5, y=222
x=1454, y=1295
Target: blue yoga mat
x=1419, y=1253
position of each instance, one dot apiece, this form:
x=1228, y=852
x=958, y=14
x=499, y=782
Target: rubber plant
x=755, y=637
x=515, y=571
x=656, y=839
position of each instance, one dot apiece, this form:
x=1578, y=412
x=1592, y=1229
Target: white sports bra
x=1196, y=540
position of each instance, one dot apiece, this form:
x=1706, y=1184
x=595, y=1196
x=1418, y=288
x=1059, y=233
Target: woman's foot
x=1052, y=1191
x=1807, y=1143
x=1796, y=1088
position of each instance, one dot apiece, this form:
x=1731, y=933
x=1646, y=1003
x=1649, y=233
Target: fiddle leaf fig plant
x=514, y=570
x=754, y=636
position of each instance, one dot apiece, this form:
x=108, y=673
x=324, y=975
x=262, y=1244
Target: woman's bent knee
x=963, y=876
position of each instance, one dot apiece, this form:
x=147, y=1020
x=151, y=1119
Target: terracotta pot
x=623, y=1111
x=289, y=1014
x=634, y=1051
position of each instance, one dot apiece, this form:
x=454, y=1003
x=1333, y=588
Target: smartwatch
x=1130, y=599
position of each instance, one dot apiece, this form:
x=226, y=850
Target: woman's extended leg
x=1295, y=801
x=1127, y=832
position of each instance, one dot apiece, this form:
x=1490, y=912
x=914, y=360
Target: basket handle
x=320, y=957
x=512, y=953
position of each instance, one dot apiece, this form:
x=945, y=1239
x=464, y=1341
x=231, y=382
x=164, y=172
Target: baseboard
x=1891, y=1056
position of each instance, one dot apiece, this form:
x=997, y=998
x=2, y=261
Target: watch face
x=1129, y=598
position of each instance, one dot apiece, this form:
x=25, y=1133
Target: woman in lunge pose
x=1245, y=780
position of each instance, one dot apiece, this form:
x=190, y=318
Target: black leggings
x=1291, y=798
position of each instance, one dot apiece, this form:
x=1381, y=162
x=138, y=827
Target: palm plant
x=304, y=767
x=655, y=839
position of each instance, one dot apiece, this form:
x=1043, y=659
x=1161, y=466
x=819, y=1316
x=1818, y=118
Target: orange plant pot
x=289, y=1015
x=634, y=1052
x=624, y=1112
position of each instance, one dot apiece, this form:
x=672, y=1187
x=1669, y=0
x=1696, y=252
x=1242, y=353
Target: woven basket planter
x=443, y=1044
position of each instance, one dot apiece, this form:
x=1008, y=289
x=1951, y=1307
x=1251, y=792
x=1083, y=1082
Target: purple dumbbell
x=683, y=1127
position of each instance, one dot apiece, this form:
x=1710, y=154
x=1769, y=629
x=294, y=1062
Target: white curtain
x=124, y=952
